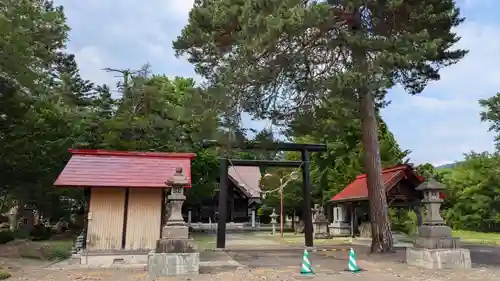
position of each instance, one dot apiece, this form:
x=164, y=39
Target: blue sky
x=438, y=126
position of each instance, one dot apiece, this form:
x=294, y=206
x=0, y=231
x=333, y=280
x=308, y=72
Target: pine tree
x=281, y=59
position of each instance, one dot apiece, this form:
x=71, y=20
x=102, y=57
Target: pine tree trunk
x=380, y=225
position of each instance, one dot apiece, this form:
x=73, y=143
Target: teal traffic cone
x=306, y=265
x=352, y=265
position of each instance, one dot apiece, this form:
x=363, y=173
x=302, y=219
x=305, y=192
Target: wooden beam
x=283, y=146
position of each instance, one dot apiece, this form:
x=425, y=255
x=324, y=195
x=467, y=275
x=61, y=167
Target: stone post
x=13, y=215
x=339, y=227
x=320, y=225
x=434, y=247
x=273, y=221
x=176, y=253
x=253, y=218
x=189, y=218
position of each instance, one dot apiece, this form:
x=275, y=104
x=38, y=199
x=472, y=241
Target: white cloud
x=91, y=61
x=445, y=118
x=441, y=163
x=423, y=102
x=181, y=8
x=478, y=72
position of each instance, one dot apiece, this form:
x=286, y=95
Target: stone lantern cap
x=273, y=214
x=178, y=179
x=320, y=217
x=430, y=185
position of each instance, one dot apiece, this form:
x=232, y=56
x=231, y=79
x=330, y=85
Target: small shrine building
x=349, y=212
x=125, y=195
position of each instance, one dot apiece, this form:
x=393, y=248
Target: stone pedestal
x=172, y=264
x=176, y=253
x=339, y=229
x=181, y=231
x=320, y=225
x=439, y=258
x=434, y=247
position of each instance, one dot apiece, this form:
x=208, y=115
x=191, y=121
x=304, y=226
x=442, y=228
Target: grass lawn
x=47, y=250
x=208, y=241
x=298, y=239
x=477, y=237
x=204, y=241
x=471, y=237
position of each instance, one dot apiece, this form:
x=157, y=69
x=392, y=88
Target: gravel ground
x=258, y=265
x=372, y=273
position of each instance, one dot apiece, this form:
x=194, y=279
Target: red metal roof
x=358, y=189
x=105, y=168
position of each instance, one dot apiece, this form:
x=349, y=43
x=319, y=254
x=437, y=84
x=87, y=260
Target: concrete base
x=166, y=245
x=321, y=235
x=339, y=229
x=437, y=242
x=439, y=258
x=75, y=259
x=113, y=259
x=172, y=264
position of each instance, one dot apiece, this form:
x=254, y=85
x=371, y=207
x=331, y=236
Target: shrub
x=40, y=232
x=50, y=250
x=4, y=275
x=59, y=250
x=404, y=221
x=6, y=236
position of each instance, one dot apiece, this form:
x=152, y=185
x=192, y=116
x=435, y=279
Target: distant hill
x=446, y=166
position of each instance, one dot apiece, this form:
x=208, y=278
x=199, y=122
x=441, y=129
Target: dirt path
x=260, y=265
x=373, y=273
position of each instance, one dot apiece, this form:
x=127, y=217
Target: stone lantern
x=273, y=221
x=176, y=253
x=320, y=225
x=176, y=200
x=434, y=246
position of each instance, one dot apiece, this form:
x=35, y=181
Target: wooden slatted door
x=144, y=218
x=106, y=213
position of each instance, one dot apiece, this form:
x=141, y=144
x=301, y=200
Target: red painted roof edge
x=388, y=170
x=131, y=153
x=389, y=184
x=403, y=172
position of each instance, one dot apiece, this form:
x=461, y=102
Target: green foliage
x=4, y=274
x=40, y=232
x=32, y=32
x=242, y=46
x=404, y=221
x=58, y=251
x=50, y=250
x=37, y=80
x=6, y=236
x=332, y=171
x=473, y=193
x=41, y=120
x=157, y=113
x=491, y=114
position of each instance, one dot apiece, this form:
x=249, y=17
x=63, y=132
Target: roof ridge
x=105, y=152
x=388, y=170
